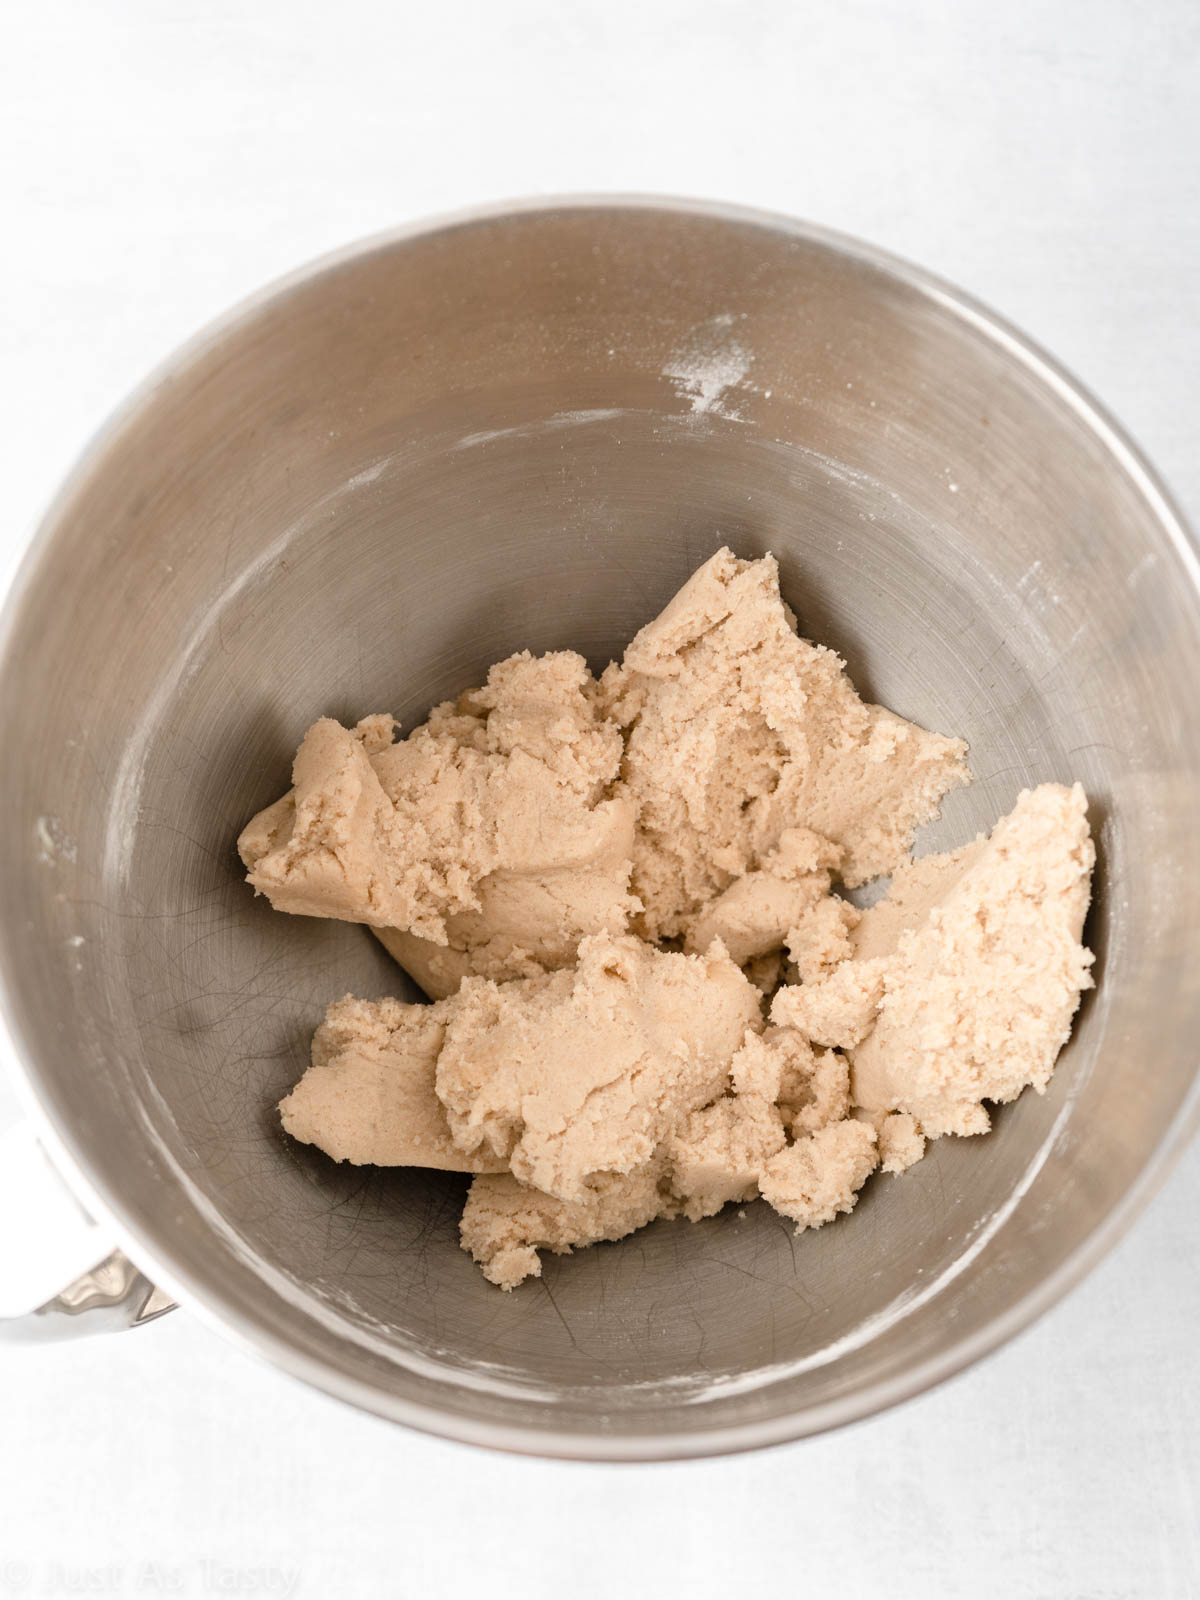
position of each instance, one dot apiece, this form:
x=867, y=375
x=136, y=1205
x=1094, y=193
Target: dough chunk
x=901, y=1142
x=818, y=1098
x=810, y=1087
x=821, y=937
x=498, y=825
x=758, y=1067
x=839, y=1009
x=737, y=729
x=916, y=887
x=586, y=1071
x=504, y=1224
x=752, y=917
x=529, y=922
x=718, y=1153
x=525, y=853
x=369, y=1095
x=820, y=1175
x=980, y=995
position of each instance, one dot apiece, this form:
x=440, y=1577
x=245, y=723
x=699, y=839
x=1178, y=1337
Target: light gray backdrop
x=161, y=159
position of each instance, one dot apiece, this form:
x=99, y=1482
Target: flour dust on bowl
x=524, y=429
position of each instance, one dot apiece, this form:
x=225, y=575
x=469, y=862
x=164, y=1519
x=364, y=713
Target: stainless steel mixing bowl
x=524, y=428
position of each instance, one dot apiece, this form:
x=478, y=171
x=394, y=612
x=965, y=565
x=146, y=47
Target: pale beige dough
x=727, y=1152
x=588, y=1070
x=820, y=1175
x=979, y=994
x=519, y=851
x=814, y=1100
x=822, y=938
x=838, y=1009
x=753, y=916
x=780, y=1083
x=916, y=887
x=369, y=1095
x=758, y=1067
x=735, y=1147
x=498, y=825
x=718, y=1153
x=809, y=1087
x=736, y=729
x=529, y=922
x=505, y=1224
x=901, y=1142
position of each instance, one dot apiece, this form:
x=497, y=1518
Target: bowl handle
x=53, y=1242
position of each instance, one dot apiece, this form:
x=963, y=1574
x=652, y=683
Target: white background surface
x=161, y=159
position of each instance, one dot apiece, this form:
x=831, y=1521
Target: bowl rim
x=206, y=1299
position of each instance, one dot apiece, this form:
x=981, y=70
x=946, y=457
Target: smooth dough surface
x=369, y=1097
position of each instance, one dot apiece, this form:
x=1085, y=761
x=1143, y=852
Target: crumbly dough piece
x=810, y=1088
x=820, y=1175
x=587, y=1071
x=717, y=1154
x=979, y=996
x=369, y=1095
x=753, y=916
x=738, y=729
x=821, y=938
x=505, y=1224
x=815, y=1100
x=501, y=813
x=839, y=1009
x=758, y=1066
x=901, y=1142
